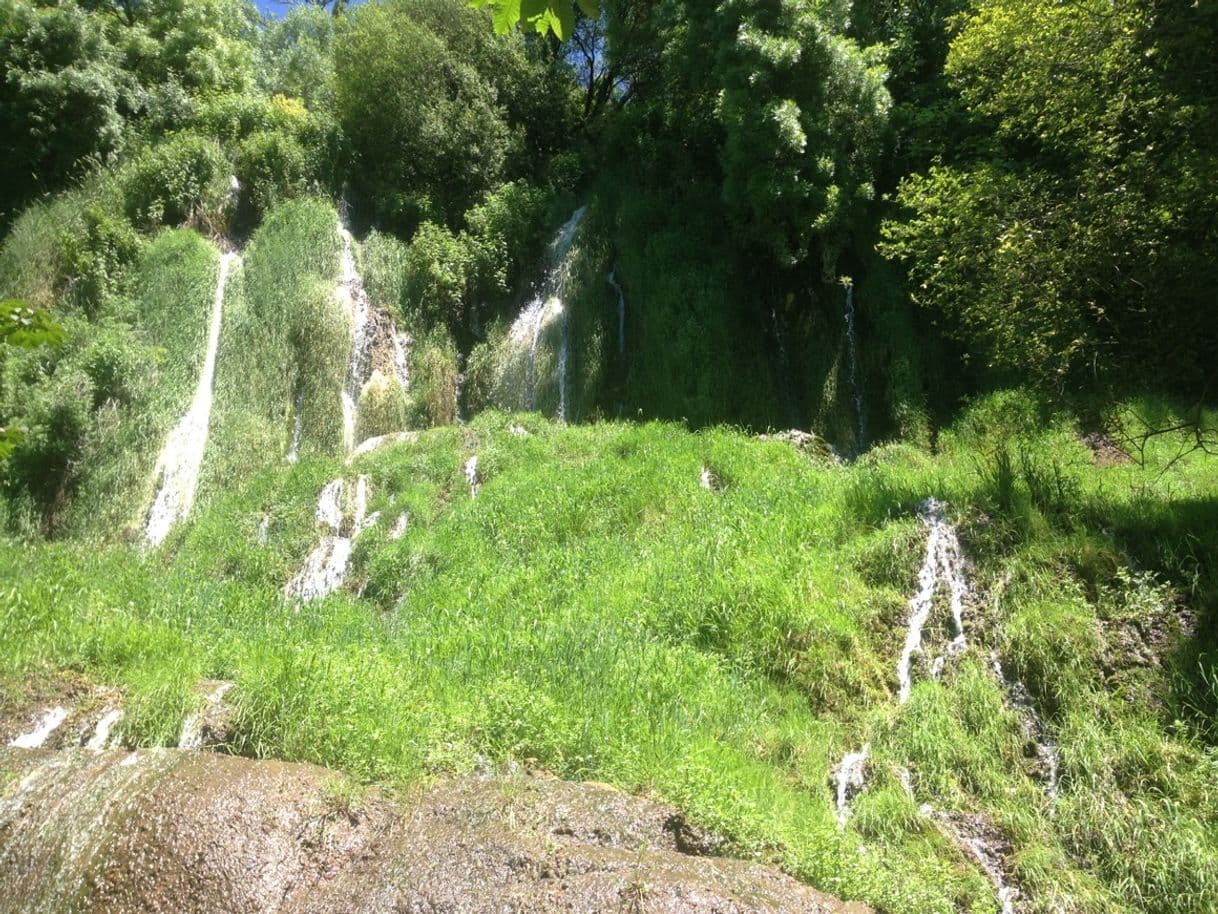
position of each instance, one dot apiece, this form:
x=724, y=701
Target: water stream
x=518, y=383
x=47, y=724
x=342, y=515
x=621, y=314
x=942, y=566
x=178, y=466
x=1034, y=728
x=354, y=299
x=849, y=778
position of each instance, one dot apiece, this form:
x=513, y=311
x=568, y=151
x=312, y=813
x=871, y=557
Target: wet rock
x=210, y=724
x=806, y=443
x=164, y=830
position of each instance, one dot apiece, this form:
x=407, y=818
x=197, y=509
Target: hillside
x=649, y=479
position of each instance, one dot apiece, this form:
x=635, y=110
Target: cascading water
x=848, y=778
x=342, y=515
x=519, y=388
x=180, y=460
x=101, y=738
x=856, y=389
x=376, y=343
x=1034, y=728
x=359, y=364
x=47, y=724
x=943, y=565
x=191, y=736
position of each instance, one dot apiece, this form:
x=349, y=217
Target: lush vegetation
x=1011, y=200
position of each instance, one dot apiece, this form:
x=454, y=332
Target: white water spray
x=180, y=460
x=524, y=337
x=848, y=778
x=860, y=414
x=342, y=516
x=47, y=724
x=943, y=565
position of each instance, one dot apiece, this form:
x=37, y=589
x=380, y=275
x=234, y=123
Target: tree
x=63, y=96
x=1081, y=241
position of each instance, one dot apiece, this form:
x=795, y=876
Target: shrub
x=384, y=407
x=433, y=381
x=272, y=166
x=184, y=178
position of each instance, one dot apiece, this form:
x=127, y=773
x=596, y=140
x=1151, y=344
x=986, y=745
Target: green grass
x=596, y=612
x=174, y=290
x=284, y=346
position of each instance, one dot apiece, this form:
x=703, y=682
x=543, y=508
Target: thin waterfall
x=942, y=568
x=342, y=515
x=856, y=388
x=1034, y=727
x=180, y=460
x=517, y=384
x=47, y=724
x=564, y=352
x=849, y=778
x=354, y=299
x=942, y=565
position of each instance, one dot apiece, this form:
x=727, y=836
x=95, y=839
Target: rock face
x=165, y=830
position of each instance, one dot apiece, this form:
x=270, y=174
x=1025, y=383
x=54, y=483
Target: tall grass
x=283, y=349
x=596, y=612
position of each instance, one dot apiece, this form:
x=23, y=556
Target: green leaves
x=21, y=325
x=541, y=16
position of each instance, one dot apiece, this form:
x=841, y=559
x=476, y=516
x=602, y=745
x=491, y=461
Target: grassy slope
x=284, y=337
x=598, y=612
x=174, y=289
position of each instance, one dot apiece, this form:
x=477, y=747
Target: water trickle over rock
x=341, y=516
x=518, y=380
x=942, y=566
x=178, y=466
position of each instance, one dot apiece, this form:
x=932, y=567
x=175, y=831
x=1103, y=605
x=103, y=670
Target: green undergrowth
x=596, y=612
x=283, y=348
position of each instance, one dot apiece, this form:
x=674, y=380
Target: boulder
x=167, y=830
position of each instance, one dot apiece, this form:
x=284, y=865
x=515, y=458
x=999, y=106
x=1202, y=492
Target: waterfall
x=105, y=725
x=848, y=777
x=342, y=516
x=376, y=342
x=564, y=348
x=351, y=294
x=943, y=565
x=1034, y=728
x=47, y=724
x=191, y=736
x=852, y=345
x=180, y=460
x=621, y=314
x=519, y=387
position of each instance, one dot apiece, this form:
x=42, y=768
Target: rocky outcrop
x=166, y=830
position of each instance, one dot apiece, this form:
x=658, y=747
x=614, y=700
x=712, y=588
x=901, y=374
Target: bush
x=186, y=178
x=272, y=166
x=433, y=381
x=384, y=407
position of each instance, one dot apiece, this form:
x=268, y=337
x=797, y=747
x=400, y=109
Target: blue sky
x=275, y=8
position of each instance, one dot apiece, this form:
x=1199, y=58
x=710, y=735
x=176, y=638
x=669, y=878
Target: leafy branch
x=540, y=16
